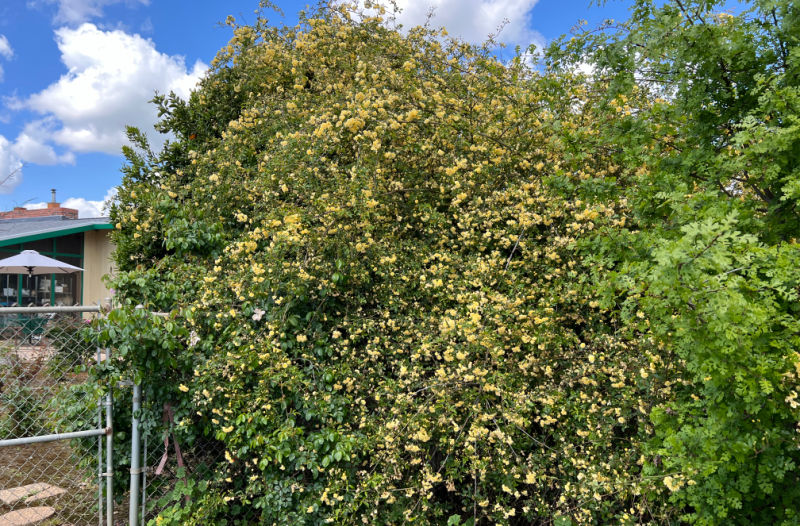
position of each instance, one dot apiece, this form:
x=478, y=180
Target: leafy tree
x=718, y=148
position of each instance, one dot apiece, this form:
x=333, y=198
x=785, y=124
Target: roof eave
x=53, y=233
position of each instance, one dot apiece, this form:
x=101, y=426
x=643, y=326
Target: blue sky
x=73, y=73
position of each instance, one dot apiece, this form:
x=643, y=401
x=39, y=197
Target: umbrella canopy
x=31, y=262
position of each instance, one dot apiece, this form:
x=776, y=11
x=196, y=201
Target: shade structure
x=31, y=263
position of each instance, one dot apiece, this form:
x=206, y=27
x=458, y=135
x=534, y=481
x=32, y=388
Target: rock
x=26, y=516
x=29, y=493
x=13, y=495
x=52, y=491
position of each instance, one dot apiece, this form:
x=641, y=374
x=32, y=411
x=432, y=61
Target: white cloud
x=475, y=20
x=77, y=11
x=586, y=68
x=28, y=147
x=85, y=207
x=10, y=167
x=5, y=47
x=111, y=77
x=5, y=51
x=31, y=145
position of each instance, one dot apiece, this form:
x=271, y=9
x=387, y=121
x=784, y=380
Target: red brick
x=53, y=209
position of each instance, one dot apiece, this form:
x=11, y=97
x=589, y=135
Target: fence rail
x=46, y=310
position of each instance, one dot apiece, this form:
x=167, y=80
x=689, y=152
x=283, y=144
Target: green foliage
x=72, y=342
x=23, y=412
x=723, y=99
x=401, y=281
x=726, y=304
x=714, y=97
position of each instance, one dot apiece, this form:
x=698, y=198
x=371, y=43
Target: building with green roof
x=56, y=232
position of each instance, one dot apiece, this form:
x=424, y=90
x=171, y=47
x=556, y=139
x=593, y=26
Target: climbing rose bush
x=405, y=281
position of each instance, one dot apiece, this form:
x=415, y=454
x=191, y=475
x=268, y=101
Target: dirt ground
x=54, y=463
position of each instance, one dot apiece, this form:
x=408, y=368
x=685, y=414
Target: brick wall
x=53, y=209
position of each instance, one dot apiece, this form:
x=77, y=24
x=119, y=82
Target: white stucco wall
x=97, y=262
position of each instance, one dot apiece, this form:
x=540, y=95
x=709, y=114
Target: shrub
x=22, y=412
x=407, y=282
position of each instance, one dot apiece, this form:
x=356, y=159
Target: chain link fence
x=44, y=395
x=163, y=471
x=55, y=442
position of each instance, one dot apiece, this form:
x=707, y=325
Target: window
x=47, y=289
x=10, y=292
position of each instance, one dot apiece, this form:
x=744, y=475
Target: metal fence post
x=133, y=509
x=144, y=479
x=109, y=452
x=99, y=458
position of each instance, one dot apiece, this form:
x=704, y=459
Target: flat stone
x=52, y=491
x=26, y=516
x=13, y=495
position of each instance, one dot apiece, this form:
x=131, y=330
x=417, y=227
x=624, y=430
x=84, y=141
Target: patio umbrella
x=31, y=262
